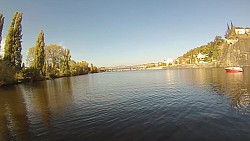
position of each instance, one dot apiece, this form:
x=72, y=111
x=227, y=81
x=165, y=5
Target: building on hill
x=241, y=30
x=201, y=58
x=236, y=31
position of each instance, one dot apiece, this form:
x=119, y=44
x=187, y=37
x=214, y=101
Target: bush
x=32, y=74
x=7, y=73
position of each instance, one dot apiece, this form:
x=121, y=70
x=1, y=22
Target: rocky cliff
x=236, y=54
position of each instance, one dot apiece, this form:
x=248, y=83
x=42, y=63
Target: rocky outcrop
x=237, y=54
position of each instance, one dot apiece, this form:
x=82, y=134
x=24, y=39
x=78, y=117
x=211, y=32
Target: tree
x=93, y=69
x=39, y=53
x=9, y=42
x=1, y=27
x=85, y=66
x=54, y=55
x=18, y=46
x=75, y=68
x=13, y=47
x=30, y=57
x=78, y=68
x=65, y=69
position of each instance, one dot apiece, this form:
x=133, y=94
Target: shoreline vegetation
x=43, y=61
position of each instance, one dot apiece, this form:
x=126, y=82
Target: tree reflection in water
x=13, y=115
x=24, y=106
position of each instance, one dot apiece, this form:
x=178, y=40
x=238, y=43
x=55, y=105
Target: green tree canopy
x=54, y=55
x=13, y=47
x=78, y=68
x=39, y=53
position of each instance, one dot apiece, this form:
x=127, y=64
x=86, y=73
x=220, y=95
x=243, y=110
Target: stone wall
x=237, y=54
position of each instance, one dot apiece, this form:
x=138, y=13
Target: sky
x=125, y=32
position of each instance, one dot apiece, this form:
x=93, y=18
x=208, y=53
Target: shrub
x=7, y=73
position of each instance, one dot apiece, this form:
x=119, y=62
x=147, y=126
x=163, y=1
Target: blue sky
x=125, y=32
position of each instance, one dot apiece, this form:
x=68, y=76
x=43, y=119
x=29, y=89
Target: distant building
x=201, y=57
x=169, y=61
x=235, y=31
x=241, y=30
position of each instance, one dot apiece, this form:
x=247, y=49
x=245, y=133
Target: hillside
x=232, y=51
x=204, y=53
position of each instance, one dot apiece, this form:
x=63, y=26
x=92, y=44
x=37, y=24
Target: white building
x=241, y=30
x=169, y=61
x=200, y=56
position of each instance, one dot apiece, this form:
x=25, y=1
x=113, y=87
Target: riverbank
x=194, y=66
x=43, y=79
x=201, y=65
x=187, y=66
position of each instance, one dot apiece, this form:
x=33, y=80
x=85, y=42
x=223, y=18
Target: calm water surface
x=184, y=104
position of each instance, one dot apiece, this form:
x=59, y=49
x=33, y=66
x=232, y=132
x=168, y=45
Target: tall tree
x=1, y=27
x=18, y=43
x=65, y=70
x=9, y=42
x=39, y=53
x=13, y=47
x=93, y=69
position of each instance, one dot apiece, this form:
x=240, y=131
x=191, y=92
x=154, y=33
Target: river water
x=155, y=105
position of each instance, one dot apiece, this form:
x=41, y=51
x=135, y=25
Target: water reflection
x=13, y=115
x=234, y=85
x=48, y=97
x=99, y=105
x=238, y=89
x=25, y=106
